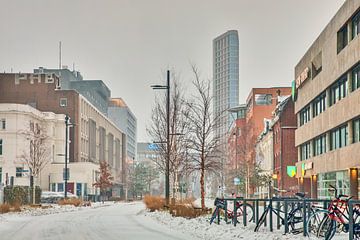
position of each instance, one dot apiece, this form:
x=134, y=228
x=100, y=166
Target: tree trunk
x=202, y=187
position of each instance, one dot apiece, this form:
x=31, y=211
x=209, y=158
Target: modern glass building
x=225, y=79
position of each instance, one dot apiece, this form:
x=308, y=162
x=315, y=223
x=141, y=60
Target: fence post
x=265, y=223
x=278, y=215
x=225, y=210
x=286, y=223
x=351, y=220
x=256, y=211
x=218, y=216
x=304, y=217
x=244, y=213
x=271, y=215
x=235, y=213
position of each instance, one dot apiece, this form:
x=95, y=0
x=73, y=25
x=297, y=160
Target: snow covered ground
x=201, y=228
x=112, y=221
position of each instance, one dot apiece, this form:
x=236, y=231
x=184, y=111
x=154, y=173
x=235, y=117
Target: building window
x=355, y=25
x=338, y=90
x=319, y=104
x=339, y=137
x=3, y=124
x=320, y=145
x=60, y=187
x=53, y=187
x=0, y=175
x=63, y=102
x=342, y=38
x=356, y=78
x=356, y=130
x=305, y=151
x=1, y=147
x=263, y=99
x=19, y=171
x=305, y=115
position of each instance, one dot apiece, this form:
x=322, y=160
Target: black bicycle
x=294, y=217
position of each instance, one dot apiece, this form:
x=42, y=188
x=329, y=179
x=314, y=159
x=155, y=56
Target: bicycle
x=338, y=217
x=221, y=204
x=294, y=218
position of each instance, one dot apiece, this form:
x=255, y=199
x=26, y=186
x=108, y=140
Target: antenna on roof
x=60, y=55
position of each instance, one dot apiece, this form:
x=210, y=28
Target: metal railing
x=288, y=203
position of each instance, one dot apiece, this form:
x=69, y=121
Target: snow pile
x=200, y=228
x=47, y=209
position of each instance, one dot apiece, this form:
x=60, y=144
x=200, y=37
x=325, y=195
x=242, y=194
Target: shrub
x=115, y=199
x=186, y=211
x=16, y=207
x=154, y=203
x=20, y=194
x=70, y=201
x=4, y=208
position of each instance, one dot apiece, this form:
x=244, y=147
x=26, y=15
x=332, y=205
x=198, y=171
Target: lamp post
x=66, y=174
x=167, y=170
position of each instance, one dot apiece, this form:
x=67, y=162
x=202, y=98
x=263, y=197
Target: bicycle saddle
x=300, y=194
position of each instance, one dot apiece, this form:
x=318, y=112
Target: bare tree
x=203, y=145
x=178, y=128
x=38, y=154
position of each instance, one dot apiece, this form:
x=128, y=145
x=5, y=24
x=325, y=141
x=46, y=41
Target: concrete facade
x=330, y=63
x=15, y=145
x=94, y=137
x=126, y=121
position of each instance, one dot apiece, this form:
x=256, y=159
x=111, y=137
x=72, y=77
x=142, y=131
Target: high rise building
x=225, y=79
x=125, y=120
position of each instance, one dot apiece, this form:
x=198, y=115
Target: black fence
x=287, y=205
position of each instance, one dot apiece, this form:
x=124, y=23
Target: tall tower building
x=225, y=79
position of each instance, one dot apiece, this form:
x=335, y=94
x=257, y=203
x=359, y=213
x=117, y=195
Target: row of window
x=339, y=137
x=342, y=35
x=337, y=91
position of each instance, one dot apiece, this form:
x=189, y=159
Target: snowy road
x=119, y=221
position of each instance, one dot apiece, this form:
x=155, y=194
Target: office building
x=327, y=93
x=225, y=80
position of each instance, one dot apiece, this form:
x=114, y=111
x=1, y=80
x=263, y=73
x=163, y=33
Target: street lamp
x=167, y=170
x=66, y=175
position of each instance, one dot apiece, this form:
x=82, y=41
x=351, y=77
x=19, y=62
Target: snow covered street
x=117, y=221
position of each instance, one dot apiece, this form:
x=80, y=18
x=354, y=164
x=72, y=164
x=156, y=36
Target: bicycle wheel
x=327, y=228
x=314, y=221
x=295, y=221
x=249, y=213
x=261, y=220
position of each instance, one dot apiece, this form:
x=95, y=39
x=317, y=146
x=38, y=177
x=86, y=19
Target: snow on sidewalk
x=201, y=228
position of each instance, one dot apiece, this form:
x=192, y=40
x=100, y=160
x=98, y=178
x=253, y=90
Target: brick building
x=285, y=153
x=94, y=137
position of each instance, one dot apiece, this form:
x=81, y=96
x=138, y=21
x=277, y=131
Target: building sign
x=308, y=166
x=153, y=146
x=302, y=77
x=293, y=91
x=291, y=171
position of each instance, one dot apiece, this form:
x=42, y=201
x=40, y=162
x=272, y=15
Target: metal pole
x=66, y=154
x=167, y=174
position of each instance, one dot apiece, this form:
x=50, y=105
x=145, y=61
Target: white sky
x=130, y=43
